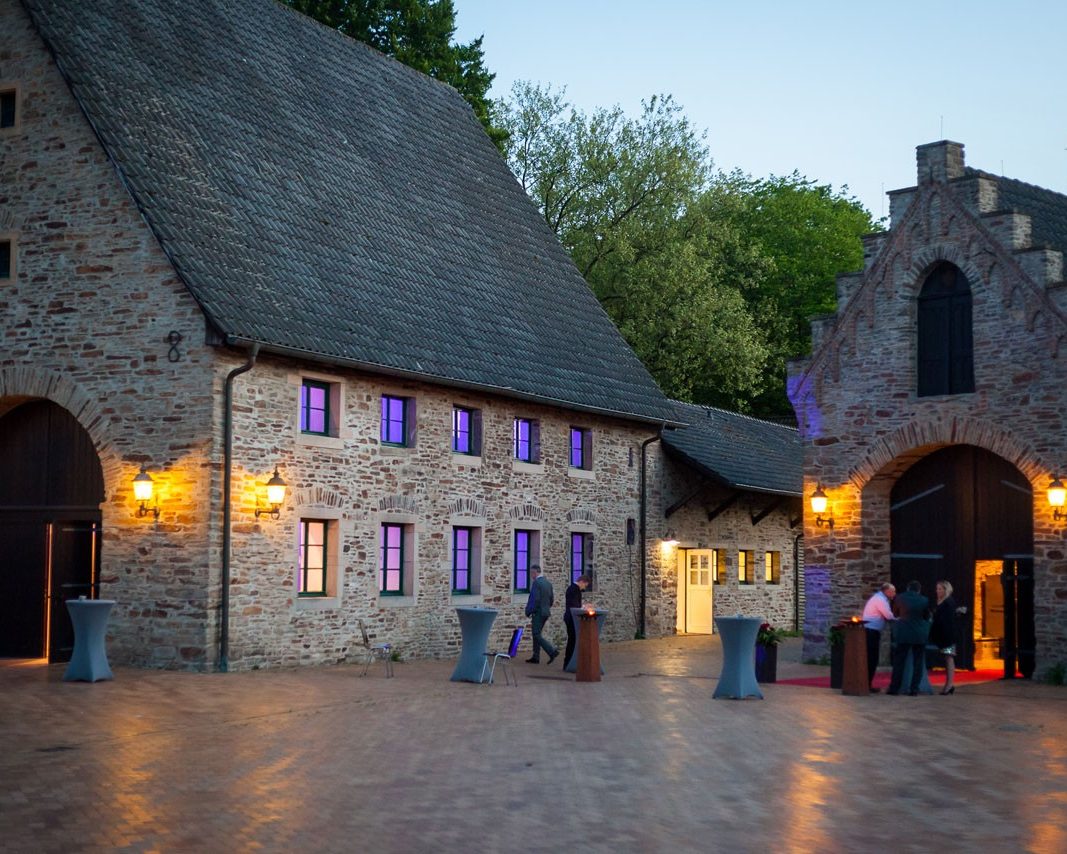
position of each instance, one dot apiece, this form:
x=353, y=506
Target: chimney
x=939, y=161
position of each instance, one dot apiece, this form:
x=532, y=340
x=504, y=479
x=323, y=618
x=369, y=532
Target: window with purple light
x=461, y=560
x=394, y=420
x=391, y=561
x=312, y=558
x=523, y=552
x=581, y=456
x=315, y=407
x=526, y=440
x=581, y=554
x=465, y=428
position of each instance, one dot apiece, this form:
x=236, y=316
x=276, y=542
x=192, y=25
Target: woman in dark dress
x=943, y=632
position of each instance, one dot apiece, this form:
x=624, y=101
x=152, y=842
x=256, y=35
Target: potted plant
x=767, y=640
x=836, y=638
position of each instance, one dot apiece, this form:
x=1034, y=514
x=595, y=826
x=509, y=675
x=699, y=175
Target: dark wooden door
x=51, y=488
x=954, y=507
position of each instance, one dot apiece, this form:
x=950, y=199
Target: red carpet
x=881, y=680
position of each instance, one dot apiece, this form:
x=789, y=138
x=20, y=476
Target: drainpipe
x=644, y=507
x=227, y=479
x=796, y=582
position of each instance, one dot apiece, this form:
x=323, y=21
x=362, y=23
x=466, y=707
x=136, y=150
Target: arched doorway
x=51, y=488
x=966, y=515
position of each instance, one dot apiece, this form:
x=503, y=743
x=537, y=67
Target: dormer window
x=945, y=360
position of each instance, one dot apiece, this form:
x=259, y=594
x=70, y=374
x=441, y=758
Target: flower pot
x=766, y=663
x=837, y=665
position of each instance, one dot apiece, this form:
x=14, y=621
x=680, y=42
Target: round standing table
x=474, y=626
x=738, y=677
x=576, y=614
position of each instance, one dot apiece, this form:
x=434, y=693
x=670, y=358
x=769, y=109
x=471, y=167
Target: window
x=718, y=566
x=773, y=567
x=466, y=431
x=945, y=351
x=527, y=553
x=9, y=101
x=391, y=561
x=462, y=559
x=526, y=439
x=745, y=567
x=315, y=408
x=397, y=421
x=581, y=448
x=312, y=561
x=581, y=555
x=6, y=247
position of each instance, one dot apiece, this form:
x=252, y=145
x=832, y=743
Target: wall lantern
x=819, y=503
x=142, y=491
x=1057, y=495
x=275, y=497
x=669, y=539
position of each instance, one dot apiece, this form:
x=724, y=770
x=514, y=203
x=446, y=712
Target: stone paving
x=319, y=759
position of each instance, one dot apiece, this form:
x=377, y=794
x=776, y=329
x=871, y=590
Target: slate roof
x=1047, y=208
x=325, y=200
x=738, y=451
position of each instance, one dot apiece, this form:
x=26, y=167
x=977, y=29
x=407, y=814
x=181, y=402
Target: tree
x=418, y=33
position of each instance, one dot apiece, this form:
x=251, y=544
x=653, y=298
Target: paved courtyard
x=322, y=760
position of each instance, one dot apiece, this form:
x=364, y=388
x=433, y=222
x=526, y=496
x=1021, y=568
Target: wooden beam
x=722, y=508
x=770, y=508
x=678, y=505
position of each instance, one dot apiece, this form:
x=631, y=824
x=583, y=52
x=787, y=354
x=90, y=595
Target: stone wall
x=860, y=419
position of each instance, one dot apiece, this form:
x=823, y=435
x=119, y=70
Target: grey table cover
x=88, y=662
x=474, y=625
x=738, y=677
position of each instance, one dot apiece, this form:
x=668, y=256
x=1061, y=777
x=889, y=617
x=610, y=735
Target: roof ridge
x=973, y=171
x=747, y=417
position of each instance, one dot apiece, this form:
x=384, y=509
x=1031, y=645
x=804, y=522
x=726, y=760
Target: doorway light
x=819, y=503
x=1057, y=496
x=275, y=497
x=142, y=491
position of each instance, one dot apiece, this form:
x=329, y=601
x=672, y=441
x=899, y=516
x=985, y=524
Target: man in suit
x=573, y=599
x=912, y=630
x=538, y=607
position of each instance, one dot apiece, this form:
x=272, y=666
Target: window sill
x=395, y=601
x=521, y=467
x=466, y=599
x=583, y=474
x=472, y=461
x=310, y=440
x=395, y=450
x=519, y=598
x=317, y=603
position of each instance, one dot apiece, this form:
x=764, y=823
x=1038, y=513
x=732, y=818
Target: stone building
x=724, y=508
x=932, y=416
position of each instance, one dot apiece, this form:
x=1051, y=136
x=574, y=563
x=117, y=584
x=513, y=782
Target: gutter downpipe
x=227, y=482
x=644, y=530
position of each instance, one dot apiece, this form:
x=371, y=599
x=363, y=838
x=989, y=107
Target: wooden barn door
x=955, y=507
x=51, y=488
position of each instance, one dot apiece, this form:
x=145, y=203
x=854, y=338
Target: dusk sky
x=840, y=91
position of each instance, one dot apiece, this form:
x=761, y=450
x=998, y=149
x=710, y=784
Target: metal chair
x=376, y=652
x=504, y=657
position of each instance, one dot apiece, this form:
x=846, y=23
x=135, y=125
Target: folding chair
x=376, y=652
x=504, y=658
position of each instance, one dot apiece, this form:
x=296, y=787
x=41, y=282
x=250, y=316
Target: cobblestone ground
x=322, y=760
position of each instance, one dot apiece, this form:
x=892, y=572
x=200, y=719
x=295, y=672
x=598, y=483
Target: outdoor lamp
x=669, y=539
x=1057, y=495
x=275, y=496
x=142, y=491
x=818, y=507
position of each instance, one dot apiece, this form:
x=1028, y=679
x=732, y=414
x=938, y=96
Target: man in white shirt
x=876, y=614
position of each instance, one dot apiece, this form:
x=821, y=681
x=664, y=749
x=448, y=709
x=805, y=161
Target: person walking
x=912, y=631
x=538, y=608
x=572, y=599
x=943, y=633
x=877, y=613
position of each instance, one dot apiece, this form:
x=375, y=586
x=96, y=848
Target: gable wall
x=85, y=325
x=860, y=419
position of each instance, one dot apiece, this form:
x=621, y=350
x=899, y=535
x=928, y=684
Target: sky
x=840, y=91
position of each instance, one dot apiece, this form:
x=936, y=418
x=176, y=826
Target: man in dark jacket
x=573, y=600
x=910, y=634
x=538, y=607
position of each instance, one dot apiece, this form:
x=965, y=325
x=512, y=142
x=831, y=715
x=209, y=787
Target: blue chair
x=504, y=658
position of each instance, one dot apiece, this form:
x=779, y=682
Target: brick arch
x=928, y=257
x=317, y=496
x=894, y=452
x=20, y=384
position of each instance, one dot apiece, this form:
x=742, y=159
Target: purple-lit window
x=523, y=548
x=462, y=539
x=394, y=420
x=462, y=427
x=581, y=554
x=315, y=408
x=581, y=448
x=391, y=561
x=526, y=441
x=312, y=557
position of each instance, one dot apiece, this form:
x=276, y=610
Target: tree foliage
x=420, y=34
x=710, y=277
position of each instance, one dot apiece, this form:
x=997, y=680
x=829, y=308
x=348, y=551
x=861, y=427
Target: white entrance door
x=698, y=592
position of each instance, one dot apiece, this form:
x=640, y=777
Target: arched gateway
x=51, y=488
x=966, y=515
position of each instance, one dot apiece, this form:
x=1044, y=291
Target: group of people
x=916, y=624
x=539, y=608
